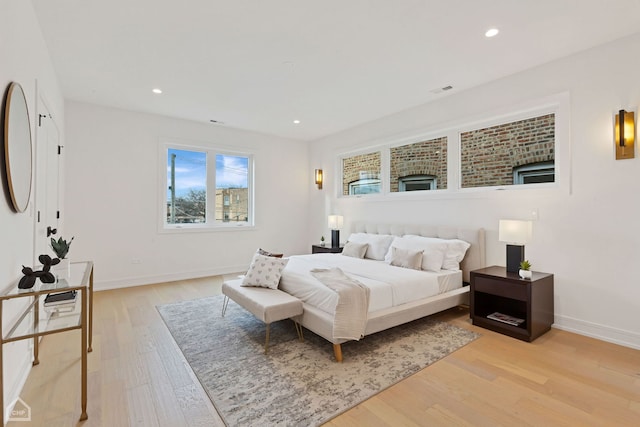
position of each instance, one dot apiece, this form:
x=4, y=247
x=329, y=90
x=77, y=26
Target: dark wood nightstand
x=319, y=249
x=493, y=290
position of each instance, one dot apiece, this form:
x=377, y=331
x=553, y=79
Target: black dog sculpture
x=44, y=275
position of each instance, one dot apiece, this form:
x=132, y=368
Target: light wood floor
x=138, y=376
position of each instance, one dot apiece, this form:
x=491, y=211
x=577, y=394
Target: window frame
x=507, y=119
x=430, y=180
x=211, y=152
x=558, y=104
x=520, y=173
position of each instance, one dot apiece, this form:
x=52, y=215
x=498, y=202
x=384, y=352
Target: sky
x=191, y=171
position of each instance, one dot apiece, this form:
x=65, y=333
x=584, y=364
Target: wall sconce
x=515, y=233
x=335, y=224
x=625, y=131
x=319, y=178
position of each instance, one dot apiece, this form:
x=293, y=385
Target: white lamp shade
x=335, y=222
x=515, y=231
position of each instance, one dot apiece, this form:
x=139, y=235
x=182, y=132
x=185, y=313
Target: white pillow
x=456, y=249
x=453, y=254
x=433, y=250
x=264, y=271
x=356, y=250
x=406, y=258
x=378, y=244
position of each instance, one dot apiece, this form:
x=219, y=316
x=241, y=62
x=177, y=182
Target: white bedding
x=389, y=286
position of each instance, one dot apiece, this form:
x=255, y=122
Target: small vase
x=525, y=274
x=62, y=270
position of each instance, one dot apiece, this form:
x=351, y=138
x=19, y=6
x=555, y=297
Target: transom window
x=207, y=188
x=361, y=174
x=489, y=156
x=534, y=173
x=417, y=183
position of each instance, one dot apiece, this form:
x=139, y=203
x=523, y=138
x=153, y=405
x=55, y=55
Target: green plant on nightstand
x=525, y=269
x=322, y=241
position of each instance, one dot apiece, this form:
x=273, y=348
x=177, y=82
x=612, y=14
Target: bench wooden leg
x=299, y=331
x=337, y=351
x=225, y=303
x=266, y=340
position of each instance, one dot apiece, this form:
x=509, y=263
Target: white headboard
x=474, y=258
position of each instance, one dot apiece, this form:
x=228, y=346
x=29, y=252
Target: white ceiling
x=332, y=64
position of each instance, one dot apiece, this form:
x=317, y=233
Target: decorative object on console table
x=322, y=241
x=499, y=298
x=61, y=248
x=335, y=224
x=515, y=233
x=45, y=276
x=321, y=249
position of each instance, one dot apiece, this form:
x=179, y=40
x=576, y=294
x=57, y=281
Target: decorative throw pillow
x=406, y=258
x=356, y=250
x=264, y=271
x=267, y=253
x=433, y=250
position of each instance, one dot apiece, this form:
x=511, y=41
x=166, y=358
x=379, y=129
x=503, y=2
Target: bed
x=396, y=295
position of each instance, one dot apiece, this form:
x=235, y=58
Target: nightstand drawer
x=502, y=288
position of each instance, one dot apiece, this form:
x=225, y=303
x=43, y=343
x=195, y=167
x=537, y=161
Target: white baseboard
x=12, y=395
x=127, y=282
x=601, y=332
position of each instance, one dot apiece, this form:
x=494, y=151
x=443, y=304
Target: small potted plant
x=322, y=241
x=525, y=269
x=61, y=249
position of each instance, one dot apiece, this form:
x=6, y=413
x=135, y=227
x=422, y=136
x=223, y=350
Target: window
x=207, y=188
x=534, y=173
x=367, y=184
x=419, y=166
x=417, y=183
x=492, y=156
x=361, y=174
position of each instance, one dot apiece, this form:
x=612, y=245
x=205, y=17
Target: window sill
x=204, y=229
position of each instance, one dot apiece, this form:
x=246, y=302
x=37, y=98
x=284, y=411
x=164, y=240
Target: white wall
x=24, y=59
x=588, y=233
x=112, y=191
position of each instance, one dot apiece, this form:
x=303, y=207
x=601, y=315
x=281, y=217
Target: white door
x=48, y=150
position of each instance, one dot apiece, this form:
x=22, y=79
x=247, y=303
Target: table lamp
x=335, y=224
x=515, y=233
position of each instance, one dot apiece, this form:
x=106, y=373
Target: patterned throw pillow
x=264, y=271
x=267, y=253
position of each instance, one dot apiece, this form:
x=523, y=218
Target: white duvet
x=389, y=286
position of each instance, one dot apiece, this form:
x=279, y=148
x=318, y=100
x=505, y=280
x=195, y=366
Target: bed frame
x=321, y=322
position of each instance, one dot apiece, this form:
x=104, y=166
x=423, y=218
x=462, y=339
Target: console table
x=80, y=279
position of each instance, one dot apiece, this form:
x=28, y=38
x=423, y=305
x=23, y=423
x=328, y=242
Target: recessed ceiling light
x=296, y=122
x=492, y=32
x=156, y=90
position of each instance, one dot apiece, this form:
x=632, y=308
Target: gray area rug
x=296, y=383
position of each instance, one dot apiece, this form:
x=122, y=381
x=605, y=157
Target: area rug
x=296, y=383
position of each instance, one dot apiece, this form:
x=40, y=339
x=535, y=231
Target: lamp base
x=335, y=238
x=515, y=255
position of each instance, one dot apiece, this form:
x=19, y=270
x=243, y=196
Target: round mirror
x=17, y=147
